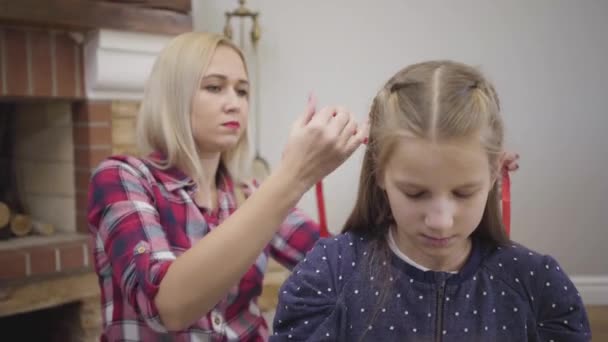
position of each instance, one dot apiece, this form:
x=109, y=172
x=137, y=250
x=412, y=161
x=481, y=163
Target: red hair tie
x=506, y=200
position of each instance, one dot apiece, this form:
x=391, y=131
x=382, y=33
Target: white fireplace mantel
x=117, y=63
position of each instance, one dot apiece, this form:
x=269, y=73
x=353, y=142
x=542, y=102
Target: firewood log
x=21, y=225
x=42, y=228
x=5, y=214
x=5, y=217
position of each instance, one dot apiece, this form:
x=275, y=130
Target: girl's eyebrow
x=470, y=185
x=407, y=184
x=418, y=186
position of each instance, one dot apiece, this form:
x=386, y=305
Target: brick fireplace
x=68, y=98
x=54, y=137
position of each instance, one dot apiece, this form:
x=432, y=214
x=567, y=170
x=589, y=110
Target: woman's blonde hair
x=164, y=121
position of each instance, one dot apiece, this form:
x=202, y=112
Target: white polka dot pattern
x=493, y=303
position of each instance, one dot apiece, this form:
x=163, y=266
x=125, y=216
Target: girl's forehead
x=434, y=161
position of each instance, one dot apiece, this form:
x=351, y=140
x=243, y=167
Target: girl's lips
x=436, y=242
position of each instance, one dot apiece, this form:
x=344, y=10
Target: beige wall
x=547, y=58
x=45, y=159
x=124, y=115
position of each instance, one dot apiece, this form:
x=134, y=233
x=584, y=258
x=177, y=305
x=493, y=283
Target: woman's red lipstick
x=232, y=124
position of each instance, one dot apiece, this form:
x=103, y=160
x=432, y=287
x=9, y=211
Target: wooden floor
x=598, y=316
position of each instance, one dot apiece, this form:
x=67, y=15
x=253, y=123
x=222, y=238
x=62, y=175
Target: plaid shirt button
x=217, y=320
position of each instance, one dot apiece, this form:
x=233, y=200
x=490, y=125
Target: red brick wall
x=37, y=63
x=21, y=263
x=92, y=143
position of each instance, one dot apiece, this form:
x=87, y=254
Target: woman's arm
x=296, y=236
x=198, y=279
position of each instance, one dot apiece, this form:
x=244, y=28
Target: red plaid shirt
x=141, y=219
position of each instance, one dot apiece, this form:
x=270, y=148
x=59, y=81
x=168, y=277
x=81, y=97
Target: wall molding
x=593, y=289
x=118, y=63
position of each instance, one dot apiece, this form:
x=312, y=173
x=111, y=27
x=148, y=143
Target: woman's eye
x=243, y=93
x=213, y=88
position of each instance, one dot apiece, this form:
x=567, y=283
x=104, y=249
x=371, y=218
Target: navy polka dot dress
x=501, y=294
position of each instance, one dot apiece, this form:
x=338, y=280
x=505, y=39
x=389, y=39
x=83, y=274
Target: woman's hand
x=319, y=142
x=510, y=161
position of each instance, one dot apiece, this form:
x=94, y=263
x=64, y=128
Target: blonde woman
x=175, y=257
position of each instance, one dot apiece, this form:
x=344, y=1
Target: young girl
x=424, y=255
x=176, y=259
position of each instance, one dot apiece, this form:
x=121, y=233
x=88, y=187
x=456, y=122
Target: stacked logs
x=13, y=224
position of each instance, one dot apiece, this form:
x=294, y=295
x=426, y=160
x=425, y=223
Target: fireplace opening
x=12, y=220
x=37, y=186
x=56, y=324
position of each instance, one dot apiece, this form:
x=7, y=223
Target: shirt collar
x=172, y=178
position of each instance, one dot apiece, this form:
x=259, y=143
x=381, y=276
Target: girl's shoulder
x=514, y=258
x=341, y=252
x=526, y=270
x=349, y=245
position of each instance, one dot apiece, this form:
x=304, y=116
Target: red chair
x=324, y=232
